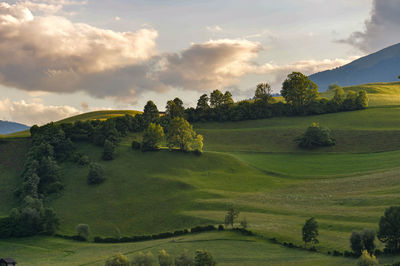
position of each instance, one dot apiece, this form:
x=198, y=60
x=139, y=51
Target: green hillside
x=100, y=115
x=254, y=165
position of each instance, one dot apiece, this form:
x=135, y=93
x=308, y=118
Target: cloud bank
x=34, y=112
x=381, y=29
x=50, y=53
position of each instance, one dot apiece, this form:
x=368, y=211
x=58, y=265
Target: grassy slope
x=100, y=115
x=227, y=248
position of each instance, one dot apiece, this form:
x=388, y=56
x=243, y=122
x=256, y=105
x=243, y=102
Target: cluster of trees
x=41, y=177
x=300, y=93
x=201, y=258
x=315, y=136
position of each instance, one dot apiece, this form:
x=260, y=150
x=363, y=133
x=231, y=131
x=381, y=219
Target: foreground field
x=227, y=248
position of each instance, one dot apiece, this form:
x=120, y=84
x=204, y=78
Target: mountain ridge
x=8, y=127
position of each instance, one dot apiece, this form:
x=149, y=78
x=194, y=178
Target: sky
x=63, y=57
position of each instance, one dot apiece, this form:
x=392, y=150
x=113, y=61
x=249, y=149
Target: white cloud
x=215, y=28
x=34, y=112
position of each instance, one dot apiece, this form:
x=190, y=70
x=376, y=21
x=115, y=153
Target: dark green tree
x=361, y=100
x=109, y=150
x=315, y=136
x=231, y=216
x=364, y=240
x=150, y=113
x=263, y=92
x=202, y=103
x=152, y=137
x=96, y=174
x=227, y=99
x=310, y=232
x=175, y=108
x=216, y=98
x=204, y=258
x=83, y=231
x=389, y=229
x=299, y=91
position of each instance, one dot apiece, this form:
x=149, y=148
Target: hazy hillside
x=11, y=127
x=382, y=66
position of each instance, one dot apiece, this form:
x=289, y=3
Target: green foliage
x=363, y=240
x=150, y=113
x=184, y=259
x=109, y=150
x=174, y=108
x=83, y=231
x=96, y=174
x=310, y=231
x=152, y=137
x=216, y=98
x=367, y=260
x=136, y=145
x=334, y=87
x=204, y=258
x=202, y=103
x=181, y=135
x=389, y=229
x=164, y=259
x=243, y=223
x=118, y=260
x=263, y=92
x=227, y=98
x=316, y=136
x=231, y=216
x=299, y=91
x=142, y=259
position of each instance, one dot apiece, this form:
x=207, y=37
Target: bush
x=96, y=174
x=204, y=258
x=367, y=260
x=136, y=145
x=83, y=231
x=316, y=136
x=109, y=150
x=118, y=260
x=184, y=259
x=144, y=259
x=364, y=240
x=164, y=259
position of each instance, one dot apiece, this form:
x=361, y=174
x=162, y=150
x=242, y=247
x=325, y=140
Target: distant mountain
x=382, y=66
x=11, y=127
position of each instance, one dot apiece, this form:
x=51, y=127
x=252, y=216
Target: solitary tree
x=299, y=91
x=180, y=134
x=263, y=92
x=231, y=216
x=83, y=231
x=389, y=228
x=152, y=137
x=310, y=231
x=96, y=174
x=316, y=136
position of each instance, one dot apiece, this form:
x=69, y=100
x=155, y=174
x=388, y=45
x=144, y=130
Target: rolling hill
x=382, y=66
x=7, y=127
x=254, y=165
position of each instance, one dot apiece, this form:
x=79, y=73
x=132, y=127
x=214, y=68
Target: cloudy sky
x=63, y=57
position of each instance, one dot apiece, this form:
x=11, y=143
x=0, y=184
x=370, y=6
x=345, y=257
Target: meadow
x=253, y=165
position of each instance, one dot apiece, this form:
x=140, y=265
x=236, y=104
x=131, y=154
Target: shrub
x=118, y=260
x=144, y=259
x=83, y=231
x=204, y=258
x=184, y=259
x=136, y=145
x=367, y=260
x=96, y=174
x=109, y=150
x=315, y=136
x=164, y=259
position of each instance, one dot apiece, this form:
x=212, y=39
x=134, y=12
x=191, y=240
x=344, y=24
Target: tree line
x=301, y=98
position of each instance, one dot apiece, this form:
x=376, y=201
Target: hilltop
x=382, y=66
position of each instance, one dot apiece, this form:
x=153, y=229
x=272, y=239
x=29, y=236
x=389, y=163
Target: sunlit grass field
x=254, y=165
